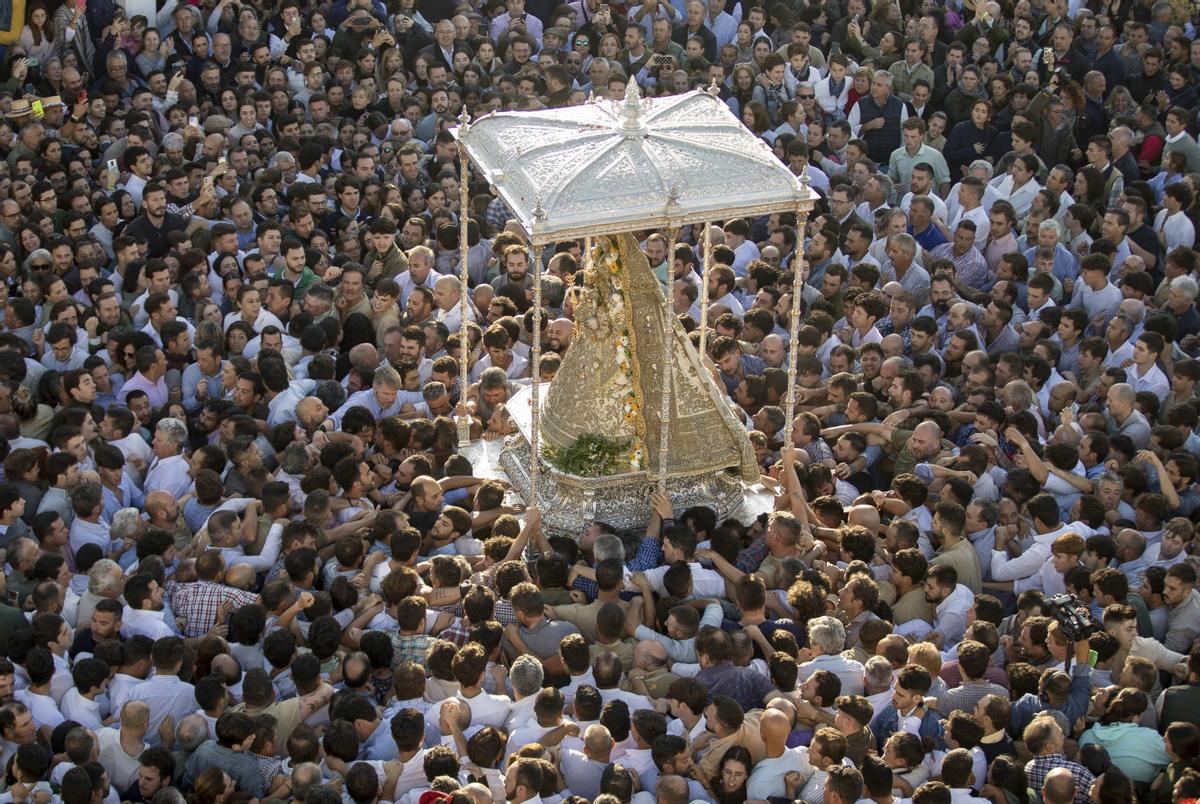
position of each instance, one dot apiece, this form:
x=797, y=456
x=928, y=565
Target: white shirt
x=1026, y=565
x=140, y=317
x=520, y=714
x=122, y=768
x=705, y=582
x=452, y=318
x=1153, y=381
x=486, y=710
x=950, y=617
x=1119, y=355
x=977, y=216
x=169, y=474
x=849, y=671
x=939, y=206
x=120, y=690
x=146, y=623
x=45, y=712
x=265, y=319
x=264, y=560
x=731, y=301
x=743, y=255
x=1177, y=229
x=767, y=779
x=516, y=367
x=75, y=707
x=283, y=407
x=1021, y=197
x=134, y=446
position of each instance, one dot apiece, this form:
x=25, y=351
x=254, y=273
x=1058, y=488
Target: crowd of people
x=245, y=560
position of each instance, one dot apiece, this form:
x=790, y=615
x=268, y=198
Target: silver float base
x=569, y=503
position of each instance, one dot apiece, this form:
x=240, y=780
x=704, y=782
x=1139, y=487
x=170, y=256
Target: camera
x=1073, y=617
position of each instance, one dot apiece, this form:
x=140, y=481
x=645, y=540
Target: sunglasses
x=40, y=266
x=806, y=97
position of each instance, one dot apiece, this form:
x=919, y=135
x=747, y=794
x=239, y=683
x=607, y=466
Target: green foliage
x=591, y=456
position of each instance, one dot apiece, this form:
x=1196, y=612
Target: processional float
x=633, y=403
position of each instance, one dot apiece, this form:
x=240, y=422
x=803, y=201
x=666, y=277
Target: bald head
x=309, y=410
x=135, y=715
x=559, y=334
x=865, y=515
x=672, y=790
x=240, y=576
x=1059, y=787
x=598, y=742
x=364, y=355
x=226, y=666
x=930, y=429
x=1134, y=308
x=774, y=726
x=892, y=345
x=966, y=311
x=786, y=706
x=190, y=732
x=158, y=502
x=479, y=792
x=1131, y=544
x=1123, y=394
x=649, y=655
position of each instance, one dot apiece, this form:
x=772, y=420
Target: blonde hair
x=927, y=656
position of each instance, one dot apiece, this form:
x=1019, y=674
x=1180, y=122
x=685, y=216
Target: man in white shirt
x=581, y=770
x=767, y=780
x=447, y=294
x=1144, y=374
x=1173, y=227
x=1024, y=570
x=143, y=612
x=486, y=709
x=737, y=237
x=827, y=640
x=1098, y=297
x=80, y=702
x=169, y=471
x=970, y=207
x=121, y=746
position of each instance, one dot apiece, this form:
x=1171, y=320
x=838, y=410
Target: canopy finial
x=631, y=109
x=464, y=120
x=714, y=89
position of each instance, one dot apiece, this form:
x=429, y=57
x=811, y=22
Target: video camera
x=1073, y=617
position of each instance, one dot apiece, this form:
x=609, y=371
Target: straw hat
x=52, y=102
x=19, y=108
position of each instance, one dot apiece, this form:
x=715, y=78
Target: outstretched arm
x=1032, y=462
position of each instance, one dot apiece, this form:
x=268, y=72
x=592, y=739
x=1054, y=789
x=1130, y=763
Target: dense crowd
x=244, y=559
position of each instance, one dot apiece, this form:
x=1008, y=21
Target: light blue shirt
x=191, y=378
x=366, y=399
